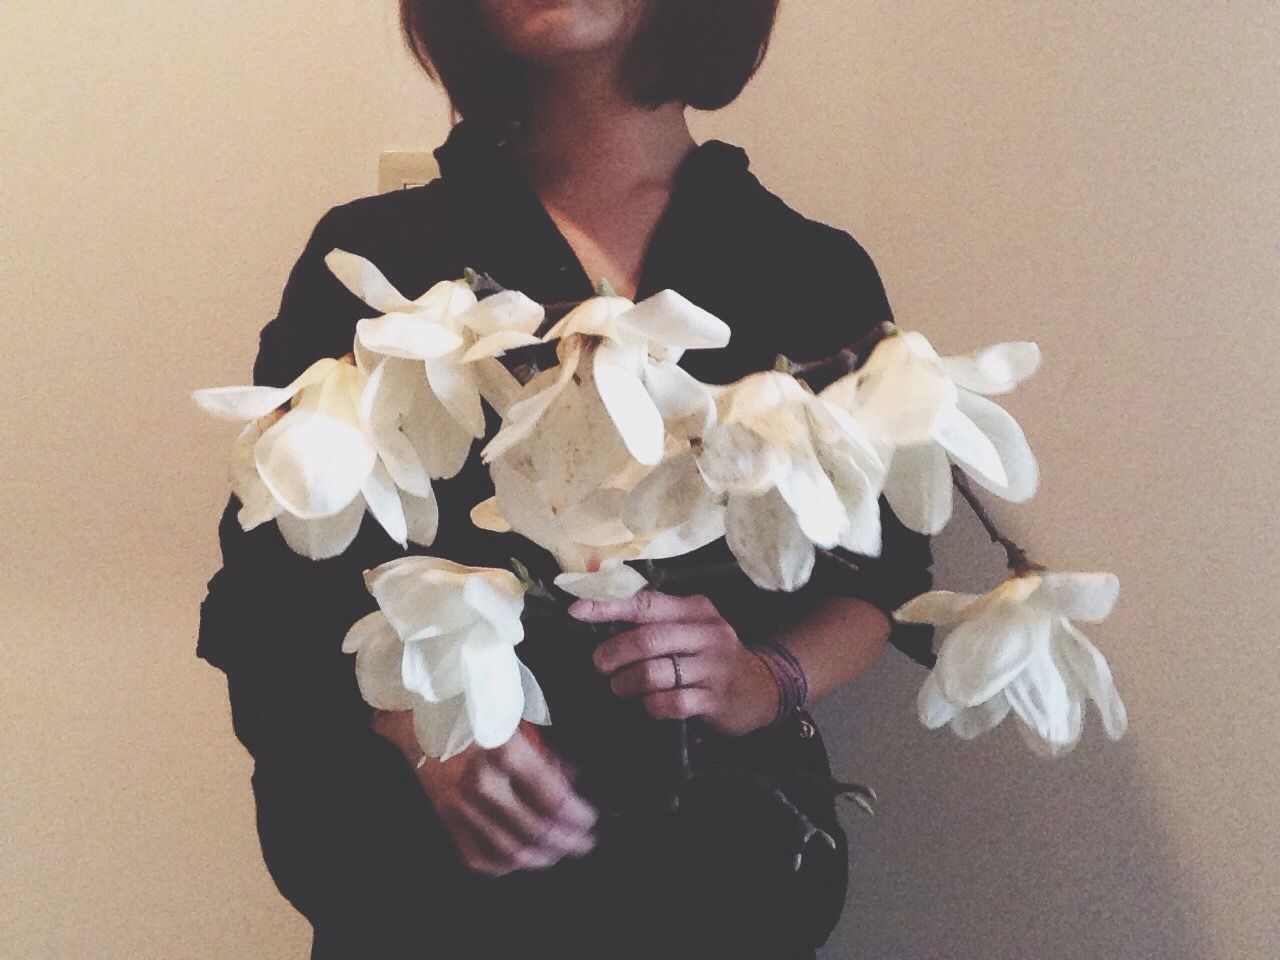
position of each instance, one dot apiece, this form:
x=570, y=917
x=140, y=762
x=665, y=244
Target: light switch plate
x=401, y=169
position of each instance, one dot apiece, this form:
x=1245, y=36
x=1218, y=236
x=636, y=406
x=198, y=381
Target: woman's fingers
x=652, y=640
x=491, y=851
x=514, y=808
x=541, y=783
x=680, y=704
x=646, y=606
x=495, y=800
x=659, y=674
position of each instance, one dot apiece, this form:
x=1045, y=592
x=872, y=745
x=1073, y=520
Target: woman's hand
x=720, y=680
x=512, y=808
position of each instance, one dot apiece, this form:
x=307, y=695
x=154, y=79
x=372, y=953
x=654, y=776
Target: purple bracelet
x=793, y=687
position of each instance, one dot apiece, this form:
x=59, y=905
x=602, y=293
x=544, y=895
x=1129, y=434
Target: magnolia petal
x=523, y=415
x=577, y=448
x=680, y=397
x=535, y=702
x=366, y=281
x=838, y=435
x=441, y=443
x=487, y=516
x=942, y=608
x=898, y=394
x=521, y=505
x=809, y=493
x=596, y=521
x=734, y=458
x=668, y=495
x=995, y=369
x=1044, y=748
x=767, y=541
x=497, y=343
x=972, y=722
x=933, y=708
x=250, y=403
x=1040, y=698
x=409, y=336
x=973, y=450
x=421, y=596
x=257, y=505
x=422, y=517
x=705, y=524
x=432, y=667
x=674, y=321
x=1021, y=471
x=241, y=403
x=455, y=385
x=443, y=729
x=378, y=653
x=497, y=386
x=770, y=402
x=324, y=537
x=365, y=630
x=508, y=311
x=918, y=487
x=981, y=657
x=315, y=458
x=495, y=696
x=1089, y=671
x=862, y=534
x=388, y=396
x=366, y=359
x=613, y=581
x=445, y=302
x=383, y=498
x=1077, y=596
x=860, y=497
x=497, y=597
x=632, y=410
x=595, y=317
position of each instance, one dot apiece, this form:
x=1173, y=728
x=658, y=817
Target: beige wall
x=1104, y=178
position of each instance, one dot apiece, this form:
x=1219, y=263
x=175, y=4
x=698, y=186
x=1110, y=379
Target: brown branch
x=842, y=362
x=1016, y=557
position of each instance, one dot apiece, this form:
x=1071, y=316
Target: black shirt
x=346, y=831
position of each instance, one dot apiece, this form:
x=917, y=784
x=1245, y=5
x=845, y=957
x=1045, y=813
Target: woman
x=572, y=161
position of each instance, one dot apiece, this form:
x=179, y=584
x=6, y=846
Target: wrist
x=788, y=677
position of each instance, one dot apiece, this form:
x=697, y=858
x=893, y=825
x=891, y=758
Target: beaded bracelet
x=793, y=687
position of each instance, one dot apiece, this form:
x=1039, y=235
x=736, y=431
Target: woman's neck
x=582, y=128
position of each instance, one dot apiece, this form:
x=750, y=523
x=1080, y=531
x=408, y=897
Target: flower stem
x=1016, y=557
x=843, y=361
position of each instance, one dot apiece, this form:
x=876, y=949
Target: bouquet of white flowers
x=610, y=454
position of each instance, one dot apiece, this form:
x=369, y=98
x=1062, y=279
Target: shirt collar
x=505, y=231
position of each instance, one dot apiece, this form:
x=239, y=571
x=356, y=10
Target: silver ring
x=675, y=665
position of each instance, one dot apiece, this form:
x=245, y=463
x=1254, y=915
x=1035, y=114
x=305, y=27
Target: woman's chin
x=549, y=31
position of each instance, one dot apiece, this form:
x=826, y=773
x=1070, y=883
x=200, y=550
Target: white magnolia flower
x=586, y=531
x=793, y=470
x=313, y=467
x=430, y=361
x=925, y=411
x=625, y=355
x=1015, y=649
x=442, y=644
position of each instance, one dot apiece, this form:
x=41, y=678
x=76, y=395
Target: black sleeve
x=341, y=819
x=903, y=568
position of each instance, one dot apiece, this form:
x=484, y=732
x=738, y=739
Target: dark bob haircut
x=697, y=52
